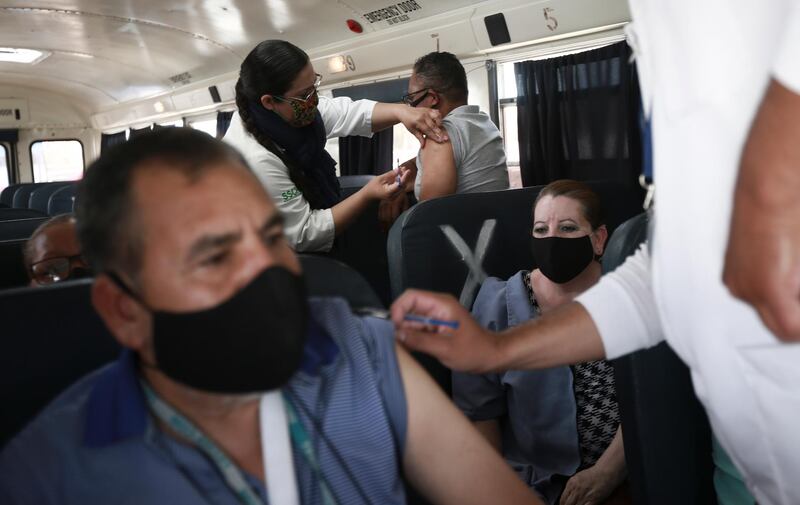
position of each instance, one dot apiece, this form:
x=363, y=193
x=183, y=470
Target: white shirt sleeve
x=623, y=307
x=306, y=229
x=344, y=117
x=787, y=65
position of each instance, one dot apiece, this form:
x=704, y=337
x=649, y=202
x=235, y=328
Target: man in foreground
x=233, y=387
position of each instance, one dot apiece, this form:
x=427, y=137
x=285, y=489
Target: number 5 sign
x=550, y=21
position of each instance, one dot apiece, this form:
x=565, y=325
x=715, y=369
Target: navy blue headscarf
x=306, y=147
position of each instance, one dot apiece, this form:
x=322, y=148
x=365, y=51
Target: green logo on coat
x=290, y=194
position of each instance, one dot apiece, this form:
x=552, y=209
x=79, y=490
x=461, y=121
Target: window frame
x=30, y=153
x=8, y=163
x=514, y=169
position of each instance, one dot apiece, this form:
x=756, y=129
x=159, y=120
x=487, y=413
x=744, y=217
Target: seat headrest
x=328, y=277
x=451, y=244
x=7, y=195
x=17, y=229
x=23, y=193
x=12, y=265
x=625, y=241
x=40, y=197
x=51, y=337
x=62, y=201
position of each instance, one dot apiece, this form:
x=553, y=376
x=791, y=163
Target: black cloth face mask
x=562, y=259
x=252, y=342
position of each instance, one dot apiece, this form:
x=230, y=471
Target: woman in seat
x=281, y=130
x=558, y=428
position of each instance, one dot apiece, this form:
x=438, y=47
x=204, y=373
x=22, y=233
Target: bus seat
x=51, y=337
x=326, y=276
x=12, y=214
x=40, y=197
x=23, y=194
x=7, y=195
x=12, y=266
x=352, y=183
x=665, y=429
x=491, y=230
x=363, y=245
x=16, y=229
x=62, y=201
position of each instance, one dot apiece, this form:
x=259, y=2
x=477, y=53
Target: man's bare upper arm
x=445, y=458
x=439, y=174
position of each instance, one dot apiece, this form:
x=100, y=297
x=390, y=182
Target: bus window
x=511, y=141
x=507, y=87
x=177, y=122
x=57, y=160
x=404, y=145
x=205, y=125
x=4, y=164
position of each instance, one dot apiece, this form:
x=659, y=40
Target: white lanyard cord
x=276, y=451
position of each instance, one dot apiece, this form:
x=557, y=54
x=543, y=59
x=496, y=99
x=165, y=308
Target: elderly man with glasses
x=471, y=160
x=53, y=253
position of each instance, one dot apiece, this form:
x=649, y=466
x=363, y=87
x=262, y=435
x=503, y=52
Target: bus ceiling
x=104, y=56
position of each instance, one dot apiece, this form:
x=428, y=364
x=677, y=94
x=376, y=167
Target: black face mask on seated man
x=562, y=259
x=252, y=342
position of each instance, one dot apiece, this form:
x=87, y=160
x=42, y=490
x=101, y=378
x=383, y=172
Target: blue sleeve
x=480, y=397
x=483, y=397
x=387, y=372
x=489, y=308
x=20, y=482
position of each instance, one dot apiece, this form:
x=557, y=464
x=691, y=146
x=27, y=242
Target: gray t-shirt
x=477, y=149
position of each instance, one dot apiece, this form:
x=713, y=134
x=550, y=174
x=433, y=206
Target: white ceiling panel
x=108, y=52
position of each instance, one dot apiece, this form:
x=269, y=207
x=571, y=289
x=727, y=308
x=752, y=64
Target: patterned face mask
x=303, y=111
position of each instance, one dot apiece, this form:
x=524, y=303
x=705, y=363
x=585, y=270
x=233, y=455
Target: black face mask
x=252, y=342
x=562, y=259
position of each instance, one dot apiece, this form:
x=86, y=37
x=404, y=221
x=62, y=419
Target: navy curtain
x=366, y=156
x=136, y=133
x=111, y=139
x=9, y=136
x=578, y=117
x=361, y=155
x=223, y=123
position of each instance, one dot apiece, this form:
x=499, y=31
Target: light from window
x=510, y=134
x=332, y=146
x=206, y=125
x=4, y=168
x=57, y=160
x=511, y=144
x=177, y=122
x=507, y=81
x=404, y=145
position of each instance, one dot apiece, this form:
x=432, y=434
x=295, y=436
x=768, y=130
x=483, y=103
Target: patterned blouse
x=595, y=399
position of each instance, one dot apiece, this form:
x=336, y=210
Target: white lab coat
x=704, y=66
x=307, y=230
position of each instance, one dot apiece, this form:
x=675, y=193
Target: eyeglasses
x=58, y=269
x=317, y=82
x=408, y=100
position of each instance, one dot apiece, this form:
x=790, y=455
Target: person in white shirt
x=707, y=70
x=281, y=128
